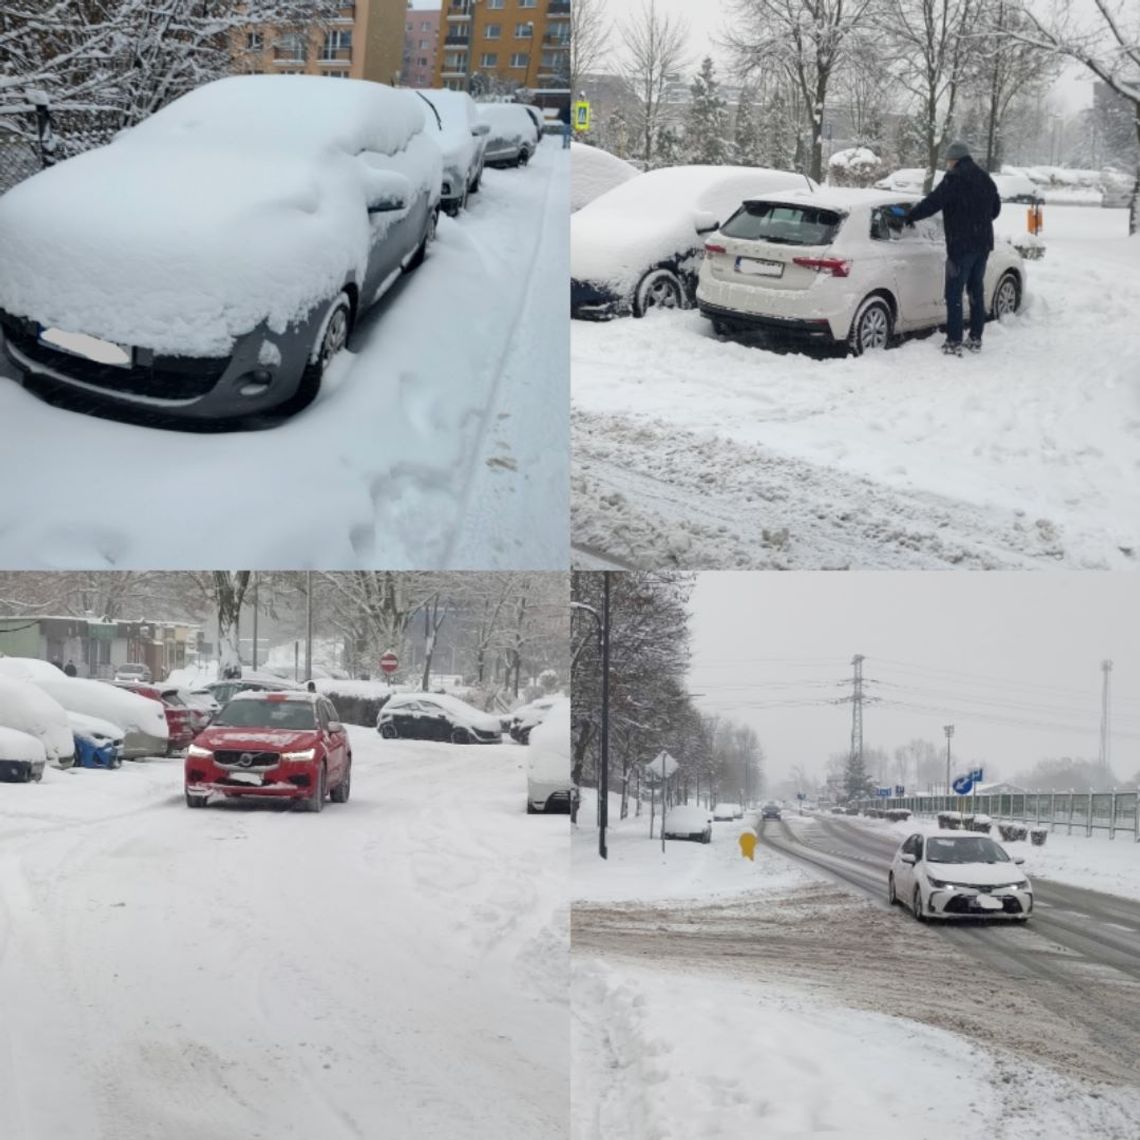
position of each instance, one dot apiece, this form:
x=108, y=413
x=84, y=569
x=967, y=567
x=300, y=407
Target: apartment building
x=421, y=46
x=506, y=47
x=365, y=41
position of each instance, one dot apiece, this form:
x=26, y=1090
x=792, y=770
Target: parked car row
x=299, y=203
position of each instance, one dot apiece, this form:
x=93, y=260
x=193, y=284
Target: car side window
x=880, y=224
x=908, y=846
x=917, y=847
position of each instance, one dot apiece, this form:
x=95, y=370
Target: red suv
x=290, y=745
x=179, y=718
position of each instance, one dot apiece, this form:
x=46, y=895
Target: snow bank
x=243, y=201
x=27, y=708
x=119, y=706
x=593, y=172
x=21, y=746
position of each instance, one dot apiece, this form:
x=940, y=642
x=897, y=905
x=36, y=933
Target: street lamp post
x=949, y=730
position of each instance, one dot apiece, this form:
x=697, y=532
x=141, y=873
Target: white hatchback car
x=837, y=267
x=951, y=874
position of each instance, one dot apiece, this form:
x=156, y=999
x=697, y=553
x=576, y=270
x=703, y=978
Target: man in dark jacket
x=969, y=202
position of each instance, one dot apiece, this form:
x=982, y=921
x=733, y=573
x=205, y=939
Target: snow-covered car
x=134, y=671
x=837, y=267
x=549, y=787
x=222, y=691
x=436, y=716
x=512, y=137
x=143, y=721
x=519, y=722
x=209, y=263
x=725, y=811
x=98, y=742
x=639, y=246
x=687, y=821
x=179, y=719
x=950, y=875
x=594, y=172
x=461, y=136
x=25, y=707
x=281, y=745
x=29, y=669
x=1017, y=188
x=22, y=756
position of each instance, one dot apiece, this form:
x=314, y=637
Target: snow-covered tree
x=746, y=139
x=707, y=140
x=778, y=134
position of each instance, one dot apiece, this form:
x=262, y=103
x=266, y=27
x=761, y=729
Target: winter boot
x=952, y=348
x=974, y=344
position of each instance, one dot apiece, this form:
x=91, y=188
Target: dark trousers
x=966, y=271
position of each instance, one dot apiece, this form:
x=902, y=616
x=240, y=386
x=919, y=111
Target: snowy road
x=696, y=452
x=806, y=1003
x=439, y=439
x=394, y=967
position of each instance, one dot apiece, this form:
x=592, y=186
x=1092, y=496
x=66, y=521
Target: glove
x=902, y=214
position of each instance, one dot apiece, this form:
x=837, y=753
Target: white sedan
x=951, y=875
x=838, y=267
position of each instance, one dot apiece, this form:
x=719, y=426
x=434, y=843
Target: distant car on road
x=689, y=821
x=437, y=716
x=209, y=264
x=837, y=268
x=280, y=745
x=639, y=246
x=134, y=671
x=770, y=811
x=950, y=875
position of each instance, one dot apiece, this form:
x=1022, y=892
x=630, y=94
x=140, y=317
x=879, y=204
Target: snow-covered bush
x=1038, y=835
x=1013, y=832
x=858, y=166
x=950, y=820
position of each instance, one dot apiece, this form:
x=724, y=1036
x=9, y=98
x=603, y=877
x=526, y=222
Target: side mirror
x=386, y=191
x=335, y=726
x=386, y=204
x=908, y=859
x=1018, y=860
x=705, y=222
x=480, y=129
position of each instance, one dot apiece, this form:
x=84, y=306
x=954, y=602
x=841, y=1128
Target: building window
x=254, y=41
x=493, y=31
x=494, y=4
x=292, y=46
x=335, y=74
x=520, y=59
x=524, y=31
x=528, y=3
x=489, y=59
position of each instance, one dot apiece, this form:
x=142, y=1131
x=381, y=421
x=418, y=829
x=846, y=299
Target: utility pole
x=254, y=658
x=308, y=625
x=857, y=710
x=604, y=773
x=1106, y=669
x=949, y=730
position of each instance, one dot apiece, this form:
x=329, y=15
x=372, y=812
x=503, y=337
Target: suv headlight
x=198, y=752
x=298, y=757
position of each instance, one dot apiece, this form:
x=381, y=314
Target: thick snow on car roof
x=594, y=172
x=25, y=707
x=836, y=198
x=21, y=746
x=686, y=817
x=214, y=215
x=508, y=121
x=277, y=694
x=626, y=231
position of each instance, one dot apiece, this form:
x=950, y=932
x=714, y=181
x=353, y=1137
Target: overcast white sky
x=707, y=18
x=969, y=647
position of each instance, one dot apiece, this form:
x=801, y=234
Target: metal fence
x=1085, y=811
x=34, y=139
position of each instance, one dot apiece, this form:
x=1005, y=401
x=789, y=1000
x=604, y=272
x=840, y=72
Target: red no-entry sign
x=389, y=662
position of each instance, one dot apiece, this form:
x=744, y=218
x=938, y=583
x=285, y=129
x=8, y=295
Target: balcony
x=459, y=10
x=457, y=39
x=556, y=42
x=558, y=8
x=286, y=56
x=346, y=15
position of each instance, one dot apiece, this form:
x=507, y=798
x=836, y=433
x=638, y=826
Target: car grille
x=964, y=904
x=165, y=377
x=257, y=759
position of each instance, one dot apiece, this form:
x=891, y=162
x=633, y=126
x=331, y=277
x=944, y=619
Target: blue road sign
x=964, y=785
x=900, y=790
x=882, y=791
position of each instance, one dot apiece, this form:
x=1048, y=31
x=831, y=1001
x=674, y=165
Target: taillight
x=712, y=247
x=833, y=265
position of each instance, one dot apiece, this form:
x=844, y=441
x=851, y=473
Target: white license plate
x=88, y=347
x=247, y=778
x=755, y=267
x=988, y=902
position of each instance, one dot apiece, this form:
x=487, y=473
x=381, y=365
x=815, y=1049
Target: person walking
x=70, y=669
x=969, y=201
x=567, y=130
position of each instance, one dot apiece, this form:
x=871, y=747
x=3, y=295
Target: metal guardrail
x=1087, y=811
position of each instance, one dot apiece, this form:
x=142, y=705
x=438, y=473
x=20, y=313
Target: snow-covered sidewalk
x=439, y=438
x=698, y=452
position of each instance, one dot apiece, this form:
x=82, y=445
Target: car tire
x=340, y=794
x=719, y=328
x=315, y=800
x=388, y=731
x=333, y=336
x=706, y=837
x=524, y=157
x=892, y=898
x=916, y=904
x=872, y=327
x=460, y=736
x=474, y=187
x=531, y=809
x=523, y=736
x=1007, y=297
x=429, y=237
x=659, y=289
x=196, y=801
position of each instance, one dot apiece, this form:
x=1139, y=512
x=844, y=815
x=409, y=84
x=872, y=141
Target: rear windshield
x=782, y=224
x=267, y=714
x=972, y=849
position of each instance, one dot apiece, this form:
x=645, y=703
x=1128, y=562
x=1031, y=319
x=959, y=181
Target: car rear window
x=783, y=224
x=267, y=714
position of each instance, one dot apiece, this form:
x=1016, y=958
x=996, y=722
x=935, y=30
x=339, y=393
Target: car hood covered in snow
x=244, y=201
x=593, y=172
x=655, y=216
x=26, y=708
x=119, y=706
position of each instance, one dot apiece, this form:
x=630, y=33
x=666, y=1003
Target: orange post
x=1034, y=221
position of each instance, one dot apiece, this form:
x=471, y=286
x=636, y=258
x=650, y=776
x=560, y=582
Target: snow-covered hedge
x=858, y=166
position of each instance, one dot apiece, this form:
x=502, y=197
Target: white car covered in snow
x=512, y=136
x=26, y=708
x=594, y=172
x=639, y=246
x=725, y=811
x=689, y=821
x=22, y=756
x=948, y=874
x=461, y=136
x=143, y=721
x=210, y=262
x=837, y=267
x=549, y=785
x=100, y=732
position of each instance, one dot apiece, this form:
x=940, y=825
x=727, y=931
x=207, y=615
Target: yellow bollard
x=748, y=844
x=1034, y=221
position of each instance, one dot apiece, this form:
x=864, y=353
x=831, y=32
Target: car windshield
x=783, y=224
x=266, y=714
x=968, y=849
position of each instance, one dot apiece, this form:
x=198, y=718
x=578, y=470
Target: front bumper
x=169, y=387
x=550, y=797
x=138, y=745
x=21, y=770
x=958, y=902
x=590, y=302
x=285, y=780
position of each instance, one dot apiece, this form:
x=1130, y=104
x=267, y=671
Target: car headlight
x=199, y=752
x=940, y=885
x=298, y=757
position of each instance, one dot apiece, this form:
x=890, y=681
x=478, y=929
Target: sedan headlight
x=198, y=752
x=939, y=884
x=298, y=757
